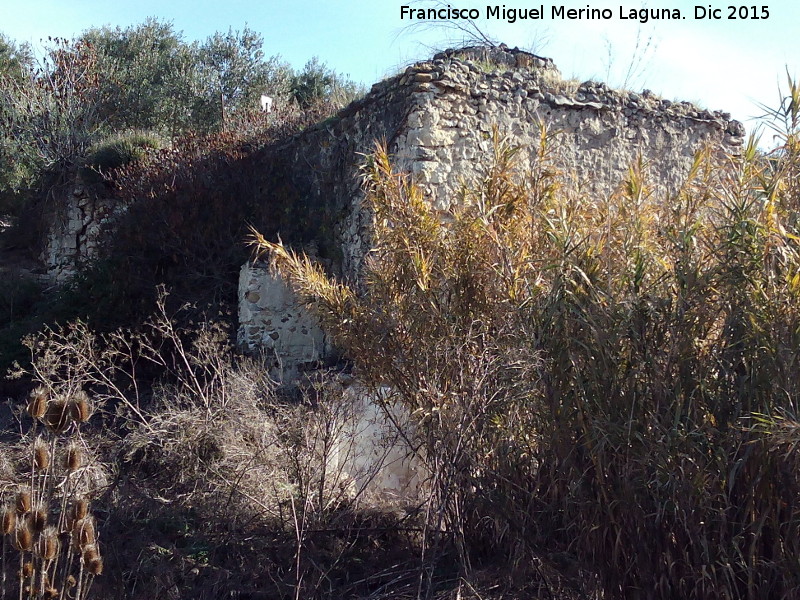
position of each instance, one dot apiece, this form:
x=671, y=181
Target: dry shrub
x=225, y=460
x=231, y=486
x=258, y=476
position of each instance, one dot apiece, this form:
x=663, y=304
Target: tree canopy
x=57, y=103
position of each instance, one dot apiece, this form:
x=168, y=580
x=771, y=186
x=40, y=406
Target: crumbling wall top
x=512, y=70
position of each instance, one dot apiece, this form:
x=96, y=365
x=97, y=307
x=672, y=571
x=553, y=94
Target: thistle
x=80, y=407
x=83, y=533
x=73, y=458
x=41, y=455
x=23, y=538
x=27, y=570
x=23, y=502
x=48, y=545
x=9, y=519
x=96, y=566
x=37, y=403
x=80, y=509
x=38, y=518
x=58, y=416
x=48, y=507
x=90, y=553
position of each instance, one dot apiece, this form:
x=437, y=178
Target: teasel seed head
x=27, y=570
x=23, y=504
x=80, y=508
x=41, y=456
x=80, y=406
x=38, y=518
x=58, y=416
x=71, y=581
x=37, y=402
x=9, y=519
x=47, y=546
x=83, y=533
x=73, y=458
x=23, y=537
x=96, y=566
x=50, y=593
x=90, y=553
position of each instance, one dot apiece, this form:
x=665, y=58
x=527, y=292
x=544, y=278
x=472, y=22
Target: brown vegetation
x=602, y=391
x=613, y=379
x=45, y=547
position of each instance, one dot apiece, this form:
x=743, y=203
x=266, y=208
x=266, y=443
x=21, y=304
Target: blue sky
x=721, y=64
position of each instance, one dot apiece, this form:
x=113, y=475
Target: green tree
x=15, y=61
x=317, y=82
x=235, y=73
x=52, y=114
x=152, y=76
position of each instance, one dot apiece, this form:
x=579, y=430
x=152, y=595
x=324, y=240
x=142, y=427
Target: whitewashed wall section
x=273, y=321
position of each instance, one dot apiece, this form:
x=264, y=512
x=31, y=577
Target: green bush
x=121, y=149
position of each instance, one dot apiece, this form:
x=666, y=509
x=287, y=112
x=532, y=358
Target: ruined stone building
x=437, y=118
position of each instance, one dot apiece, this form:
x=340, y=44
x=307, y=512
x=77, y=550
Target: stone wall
x=74, y=235
x=273, y=321
x=369, y=453
x=438, y=115
x=600, y=131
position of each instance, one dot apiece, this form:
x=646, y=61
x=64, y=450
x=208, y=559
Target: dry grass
x=233, y=486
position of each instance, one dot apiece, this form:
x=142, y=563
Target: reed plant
x=612, y=379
